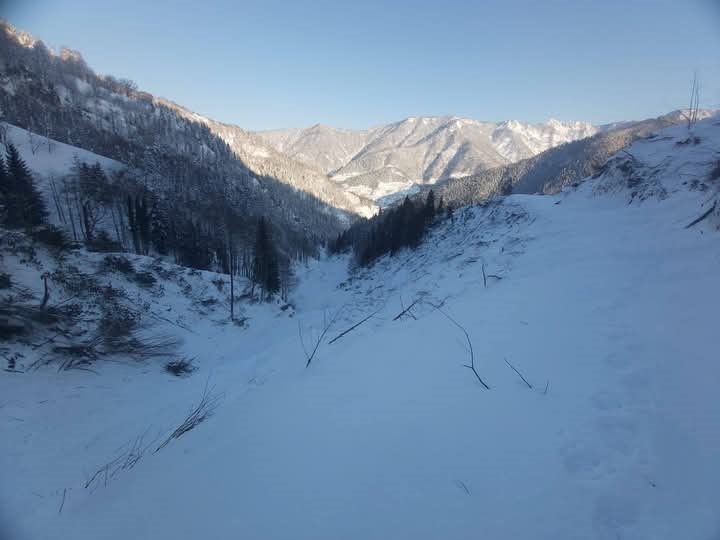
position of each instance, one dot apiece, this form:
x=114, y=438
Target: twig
x=198, y=414
x=353, y=327
x=462, y=484
x=706, y=214
x=547, y=385
x=406, y=310
x=62, y=504
x=486, y=276
x=46, y=292
x=327, y=327
x=519, y=374
x=470, y=347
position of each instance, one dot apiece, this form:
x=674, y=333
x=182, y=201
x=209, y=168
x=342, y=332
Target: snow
x=49, y=156
x=605, y=297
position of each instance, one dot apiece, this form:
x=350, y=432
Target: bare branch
x=326, y=326
x=470, y=347
x=353, y=327
x=62, y=504
x=702, y=217
x=406, y=310
x=519, y=374
x=486, y=276
x=198, y=414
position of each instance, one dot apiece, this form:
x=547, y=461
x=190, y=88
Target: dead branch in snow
x=353, y=327
x=63, y=501
x=519, y=374
x=197, y=415
x=463, y=485
x=406, y=310
x=46, y=292
x=702, y=217
x=470, y=366
x=128, y=456
x=409, y=311
x=486, y=276
x=326, y=326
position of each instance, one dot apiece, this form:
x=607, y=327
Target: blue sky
x=267, y=64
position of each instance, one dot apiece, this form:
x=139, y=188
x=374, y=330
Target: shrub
x=181, y=367
x=102, y=243
x=715, y=173
x=145, y=279
x=117, y=324
x=5, y=281
x=75, y=282
x=50, y=236
x=118, y=263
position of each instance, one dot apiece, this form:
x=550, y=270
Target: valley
x=434, y=328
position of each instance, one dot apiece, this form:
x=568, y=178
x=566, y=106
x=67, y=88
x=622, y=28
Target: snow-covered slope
x=389, y=159
x=600, y=297
x=47, y=157
x=516, y=140
x=557, y=167
x=57, y=94
x=264, y=159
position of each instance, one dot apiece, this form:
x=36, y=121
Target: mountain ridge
x=391, y=158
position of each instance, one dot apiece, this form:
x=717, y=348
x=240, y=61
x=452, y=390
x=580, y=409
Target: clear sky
x=266, y=64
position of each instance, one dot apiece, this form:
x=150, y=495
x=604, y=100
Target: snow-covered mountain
x=557, y=167
x=390, y=159
x=56, y=94
x=590, y=313
x=516, y=140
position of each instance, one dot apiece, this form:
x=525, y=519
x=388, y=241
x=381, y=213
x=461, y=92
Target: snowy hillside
x=558, y=167
x=48, y=157
x=589, y=314
x=55, y=93
x=388, y=160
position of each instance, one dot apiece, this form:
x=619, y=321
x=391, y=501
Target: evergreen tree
x=266, y=270
x=429, y=209
x=25, y=205
x=4, y=189
x=159, y=228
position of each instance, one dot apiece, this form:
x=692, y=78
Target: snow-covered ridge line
x=422, y=150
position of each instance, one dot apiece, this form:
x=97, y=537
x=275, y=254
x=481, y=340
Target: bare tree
x=327, y=324
x=35, y=142
x=3, y=133
x=693, y=111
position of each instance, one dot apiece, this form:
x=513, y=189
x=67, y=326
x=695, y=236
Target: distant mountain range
x=386, y=161
x=560, y=166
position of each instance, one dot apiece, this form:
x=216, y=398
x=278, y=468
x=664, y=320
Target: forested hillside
x=173, y=163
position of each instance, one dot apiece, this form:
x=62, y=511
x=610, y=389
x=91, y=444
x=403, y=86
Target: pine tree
x=4, y=189
x=429, y=209
x=159, y=228
x=25, y=205
x=265, y=260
